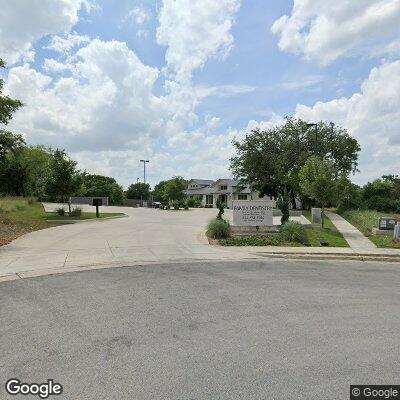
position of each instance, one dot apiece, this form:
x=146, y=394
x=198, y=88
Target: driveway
x=240, y=330
x=144, y=236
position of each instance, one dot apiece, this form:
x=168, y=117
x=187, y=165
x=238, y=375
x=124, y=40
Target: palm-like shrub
x=218, y=229
x=293, y=231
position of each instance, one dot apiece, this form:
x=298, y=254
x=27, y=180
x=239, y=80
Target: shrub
x=186, y=208
x=283, y=203
x=253, y=241
x=218, y=229
x=221, y=207
x=380, y=203
x=32, y=200
x=176, y=206
x=190, y=202
x=167, y=207
x=60, y=211
x=293, y=231
x=161, y=207
x=76, y=212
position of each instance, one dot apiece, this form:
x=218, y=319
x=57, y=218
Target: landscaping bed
x=291, y=235
x=365, y=220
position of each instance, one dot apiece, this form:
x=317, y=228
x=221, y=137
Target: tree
x=8, y=106
x=174, y=189
x=103, y=186
x=318, y=181
x=138, y=190
x=24, y=171
x=158, y=192
x=270, y=160
x=64, y=179
x=283, y=203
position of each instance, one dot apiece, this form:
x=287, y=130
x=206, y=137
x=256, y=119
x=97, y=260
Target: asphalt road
x=244, y=330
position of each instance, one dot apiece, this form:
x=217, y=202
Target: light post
x=137, y=180
x=144, y=169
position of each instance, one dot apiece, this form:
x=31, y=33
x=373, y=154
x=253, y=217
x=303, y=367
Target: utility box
x=387, y=223
x=97, y=202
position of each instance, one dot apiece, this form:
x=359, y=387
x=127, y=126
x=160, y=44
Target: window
x=224, y=187
x=209, y=199
x=242, y=197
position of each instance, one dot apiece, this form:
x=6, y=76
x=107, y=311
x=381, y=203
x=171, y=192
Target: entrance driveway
x=145, y=236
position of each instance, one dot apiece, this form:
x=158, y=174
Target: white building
x=226, y=190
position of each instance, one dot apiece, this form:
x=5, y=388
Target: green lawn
x=330, y=234
x=55, y=217
x=365, y=220
x=313, y=232
x=22, y=215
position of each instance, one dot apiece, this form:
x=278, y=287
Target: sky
x=176, y=81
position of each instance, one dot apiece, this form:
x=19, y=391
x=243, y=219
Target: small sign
x=253, y=212
x=387, y=223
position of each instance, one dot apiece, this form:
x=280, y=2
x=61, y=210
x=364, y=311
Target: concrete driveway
x=144, y=236
x=241, y=330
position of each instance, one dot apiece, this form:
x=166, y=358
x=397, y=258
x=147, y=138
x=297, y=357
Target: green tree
x=24, y=171
x=318, y=181
x=8, y=106
x=270, y=160
x=158, y=192
x=174, y=189
x=138, y=191
x=103, y=186
x=64, y=179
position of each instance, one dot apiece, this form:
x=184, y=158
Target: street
x=270, y=329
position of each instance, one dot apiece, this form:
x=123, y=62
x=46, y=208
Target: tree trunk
x=69, y=207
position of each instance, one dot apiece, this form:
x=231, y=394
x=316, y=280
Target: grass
x=365, y=220
x=22, y=215
x=329, y=234
x=313, y=232
x=86, y=215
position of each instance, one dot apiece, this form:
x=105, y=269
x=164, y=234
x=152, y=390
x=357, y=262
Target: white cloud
x=302, y=83
x=139, y=15
x=324, y=30
x=372, y=116
x=22, y=23
x=66, y=42
x=195, y=31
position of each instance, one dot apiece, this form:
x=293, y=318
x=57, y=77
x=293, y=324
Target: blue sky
x=176, y=80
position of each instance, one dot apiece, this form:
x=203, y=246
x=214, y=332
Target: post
x=97, y=211
x=144, y=169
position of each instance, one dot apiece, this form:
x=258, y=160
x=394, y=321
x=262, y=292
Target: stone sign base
x=377, y=231
x=247, y=231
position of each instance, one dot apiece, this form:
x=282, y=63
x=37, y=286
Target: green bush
x=32, y=200
x=186, y=208
x=218, y=229
x=76, y=212
x=161, y=207
x=190, y=202
x=60, y=211
x=293, y=231
x=253, y=241
x=176, y=206
x=380, y=203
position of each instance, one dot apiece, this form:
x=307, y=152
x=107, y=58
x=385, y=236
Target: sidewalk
x=356, y=240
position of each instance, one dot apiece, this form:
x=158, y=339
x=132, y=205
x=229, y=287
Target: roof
x=204, y=182
x=201, y=190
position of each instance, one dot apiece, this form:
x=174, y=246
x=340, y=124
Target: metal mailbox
x=387, y=223
x=97, y=202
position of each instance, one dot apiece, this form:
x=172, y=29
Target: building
x=226, y=190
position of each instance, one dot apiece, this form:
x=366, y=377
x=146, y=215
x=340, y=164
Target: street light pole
x=144, y=169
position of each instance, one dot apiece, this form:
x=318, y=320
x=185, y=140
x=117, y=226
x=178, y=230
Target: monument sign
x=252, y=212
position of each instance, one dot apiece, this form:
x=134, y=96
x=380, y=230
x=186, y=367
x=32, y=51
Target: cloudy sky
x=174, y=81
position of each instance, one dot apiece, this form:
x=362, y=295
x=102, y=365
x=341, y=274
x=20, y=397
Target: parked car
x=156, y=204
